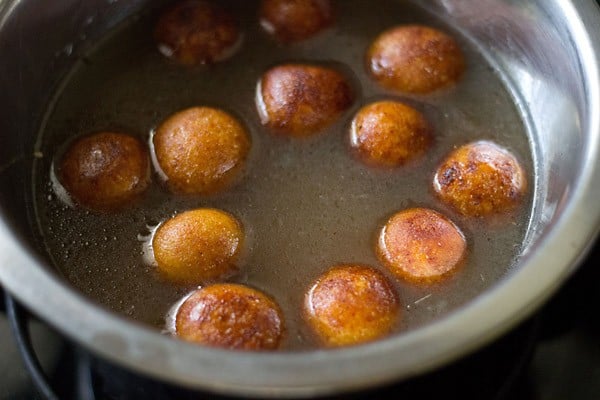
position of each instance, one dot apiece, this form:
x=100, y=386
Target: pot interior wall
x=535, y=52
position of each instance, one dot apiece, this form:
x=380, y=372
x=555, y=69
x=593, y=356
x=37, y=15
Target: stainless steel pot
x=549, y=51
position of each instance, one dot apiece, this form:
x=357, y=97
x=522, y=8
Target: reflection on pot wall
x=535, y=53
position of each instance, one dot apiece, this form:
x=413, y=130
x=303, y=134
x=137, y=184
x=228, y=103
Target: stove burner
x=18, y=327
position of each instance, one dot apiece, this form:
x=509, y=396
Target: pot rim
x=321, y=372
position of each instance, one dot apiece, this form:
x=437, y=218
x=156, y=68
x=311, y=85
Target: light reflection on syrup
x=171, y=317
x=59, y=190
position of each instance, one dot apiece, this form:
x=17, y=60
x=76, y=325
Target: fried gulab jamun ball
x=415, y=59
x=300, y=100
x=421, y=245
x=193, y=32
x=480, y=179
x=389, y=134
x=198, y=246
x=295, y=20
x=351, y=304
x=230, y=316
x=200, y=150
x=105, y=171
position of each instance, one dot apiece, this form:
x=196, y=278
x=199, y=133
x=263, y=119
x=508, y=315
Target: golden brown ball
x=415, y=59
x=351, y=304
x=194, y=32
x=201, y=150
x=198, y=246
x=389, y=134
x=480, y=179
x=421, y=245
x=230, y=316
x=105, y=171
x=300, y=100
x=295, y=20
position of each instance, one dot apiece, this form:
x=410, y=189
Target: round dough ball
x=389, y=134
x=300, y=100
x=351, y=304
x=415, y=59
x=195, y=32
x=201, y=150
x=421, y=245
x=230, y=316
x=295, y=20
x=480, y=179
x=198, y=246
x=105, y=171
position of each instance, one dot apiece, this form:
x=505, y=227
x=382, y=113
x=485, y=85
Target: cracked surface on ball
x=230, y=316
x=421, y=245
x=351, y=304
x=480, y=179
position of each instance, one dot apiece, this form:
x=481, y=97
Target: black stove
x=553, y=355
